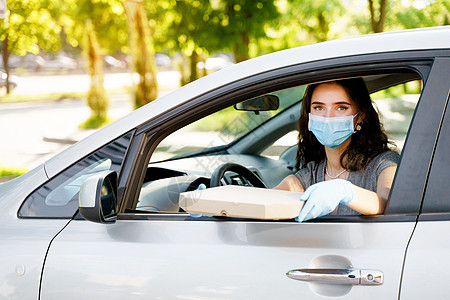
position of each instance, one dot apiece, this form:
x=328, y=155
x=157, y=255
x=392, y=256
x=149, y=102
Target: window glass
x=58, y=198
x=396, y=107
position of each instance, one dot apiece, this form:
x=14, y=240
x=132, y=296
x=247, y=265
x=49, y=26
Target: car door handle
x=338, y=276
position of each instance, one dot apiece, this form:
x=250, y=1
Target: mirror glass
x=262, y=103
x=108, y=199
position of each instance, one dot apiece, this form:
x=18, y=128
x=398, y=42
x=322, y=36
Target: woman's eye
x=342, y=108
x=317, y=107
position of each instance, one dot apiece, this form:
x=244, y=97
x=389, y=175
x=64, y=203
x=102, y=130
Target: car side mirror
x=98, y=197
x=262, y=103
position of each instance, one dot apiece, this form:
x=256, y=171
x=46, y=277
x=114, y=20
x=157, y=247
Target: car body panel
x=224, y=260
x=24, y=243
x=427, y=261
x=14, y=191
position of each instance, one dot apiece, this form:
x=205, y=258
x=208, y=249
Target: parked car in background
x=218, y=62
x=102, y=219
x=30, y=62
x=112, y=63
x=163, y=61
x=59, y=62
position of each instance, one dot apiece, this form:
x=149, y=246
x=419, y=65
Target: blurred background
x=69, y=67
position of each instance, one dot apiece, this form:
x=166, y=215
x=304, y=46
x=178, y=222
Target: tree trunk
x=377, y=17
x=193, y=60
x=142, y=52
x=5, y=56
x=241, y=50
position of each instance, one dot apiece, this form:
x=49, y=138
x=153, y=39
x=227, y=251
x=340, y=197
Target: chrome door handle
x=338, y=276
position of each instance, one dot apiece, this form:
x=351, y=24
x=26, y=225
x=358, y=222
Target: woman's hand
x=323, y=197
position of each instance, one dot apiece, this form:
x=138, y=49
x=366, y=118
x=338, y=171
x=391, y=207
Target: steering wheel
x=240, y=170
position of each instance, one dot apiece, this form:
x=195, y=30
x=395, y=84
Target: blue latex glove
x=200, y=187
x=323, y=197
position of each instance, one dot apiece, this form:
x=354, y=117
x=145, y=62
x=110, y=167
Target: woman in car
x=347, y=165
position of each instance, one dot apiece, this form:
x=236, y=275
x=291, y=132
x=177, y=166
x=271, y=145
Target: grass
x=11, y=171
x=94, y=122
x=11, y=98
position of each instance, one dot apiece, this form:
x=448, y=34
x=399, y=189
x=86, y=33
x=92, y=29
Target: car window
x=58, y=198
x=186, y=159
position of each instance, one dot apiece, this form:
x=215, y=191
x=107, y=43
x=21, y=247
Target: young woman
x=344, y=152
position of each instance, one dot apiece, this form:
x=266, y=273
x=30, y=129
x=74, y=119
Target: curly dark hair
x=365, y=144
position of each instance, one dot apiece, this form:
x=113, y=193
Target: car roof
x=408, y=40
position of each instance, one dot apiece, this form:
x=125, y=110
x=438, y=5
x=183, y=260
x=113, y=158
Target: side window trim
x=412, y=174
x=57, y=198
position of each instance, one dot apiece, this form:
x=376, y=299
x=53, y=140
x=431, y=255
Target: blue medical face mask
x=331, y=132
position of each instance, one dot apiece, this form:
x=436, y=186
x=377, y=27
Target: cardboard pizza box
x=243, y=202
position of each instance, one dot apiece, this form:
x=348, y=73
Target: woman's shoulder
x=388, y=155
x=384, y=160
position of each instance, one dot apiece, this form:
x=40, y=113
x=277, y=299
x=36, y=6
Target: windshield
x=221, y=128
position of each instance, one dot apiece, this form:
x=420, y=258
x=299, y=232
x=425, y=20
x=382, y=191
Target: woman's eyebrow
x=316, y=102
x=343, y=102
x=334, y=103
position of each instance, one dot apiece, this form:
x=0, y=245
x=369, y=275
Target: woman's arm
x=370, y=203
x=290, y=183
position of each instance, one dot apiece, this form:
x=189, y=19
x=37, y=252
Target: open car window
x=263, y=141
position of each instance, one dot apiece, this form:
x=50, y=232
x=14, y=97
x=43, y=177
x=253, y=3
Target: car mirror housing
x=98, y=197
x=261, y=103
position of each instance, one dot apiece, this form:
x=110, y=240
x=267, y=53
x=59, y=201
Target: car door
x=167, y=256
x=427, y=257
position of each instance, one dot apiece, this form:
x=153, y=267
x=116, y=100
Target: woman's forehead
x=327, y=92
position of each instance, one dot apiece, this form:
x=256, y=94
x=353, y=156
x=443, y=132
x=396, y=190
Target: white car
x=125, y=236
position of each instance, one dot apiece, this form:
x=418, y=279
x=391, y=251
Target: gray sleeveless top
x=315, y=172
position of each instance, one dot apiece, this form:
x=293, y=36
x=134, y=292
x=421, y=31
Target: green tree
x=108, y=20
x=28, y=27
x=314, y=17
x=436, y=13
x=199, y=28
x=188, y=30
x=243, y=22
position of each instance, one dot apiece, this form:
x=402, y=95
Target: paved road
x=32, y=132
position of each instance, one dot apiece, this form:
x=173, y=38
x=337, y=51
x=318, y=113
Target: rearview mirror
x=262, y=103
x=98, y=197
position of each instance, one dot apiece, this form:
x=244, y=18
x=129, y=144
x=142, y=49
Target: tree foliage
x=242, y=22
x=197, y=29
x=436, y=13
x=28, y=27
x=107, y=18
